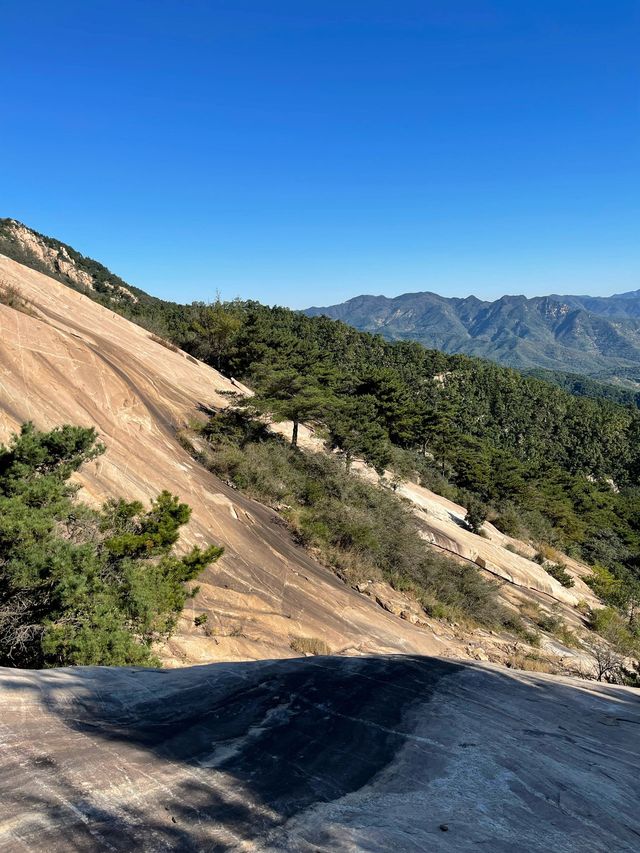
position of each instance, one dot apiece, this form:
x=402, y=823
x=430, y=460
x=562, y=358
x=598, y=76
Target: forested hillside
x=598, y=336
x=584, y=386
x=541, y=463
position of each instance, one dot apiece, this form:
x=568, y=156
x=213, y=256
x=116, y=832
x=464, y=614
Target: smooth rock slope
x=318, y=754
x=77, y=362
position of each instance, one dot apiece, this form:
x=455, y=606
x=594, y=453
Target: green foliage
x=362, y=531
x=584, y=386
x=596, y=336
x=560, y=573
x=476, y=514
x=216, y=327
x=288, y=395
x=355, y=431
x=164, y=343
x=79, y=586
x=613, y=642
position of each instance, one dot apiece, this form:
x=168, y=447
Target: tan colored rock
x=59, y=260
x=80, y=363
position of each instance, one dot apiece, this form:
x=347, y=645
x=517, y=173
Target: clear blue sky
x=306, y=151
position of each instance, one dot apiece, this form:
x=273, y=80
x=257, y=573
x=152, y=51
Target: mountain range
x=595, y=336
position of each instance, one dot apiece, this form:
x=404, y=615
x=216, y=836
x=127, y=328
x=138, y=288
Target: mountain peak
x=513, y=330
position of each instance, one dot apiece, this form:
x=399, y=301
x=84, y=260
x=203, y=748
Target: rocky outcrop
x=316, y=754
x=55, y=259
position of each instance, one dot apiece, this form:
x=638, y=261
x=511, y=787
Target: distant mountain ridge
x=594, y=335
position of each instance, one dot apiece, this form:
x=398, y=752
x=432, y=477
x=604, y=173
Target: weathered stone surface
x=317, y=754
x=80, y=363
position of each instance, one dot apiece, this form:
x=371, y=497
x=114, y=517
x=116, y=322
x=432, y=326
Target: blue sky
x=304, y=152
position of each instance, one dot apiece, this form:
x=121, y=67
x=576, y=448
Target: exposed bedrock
x=323, y=754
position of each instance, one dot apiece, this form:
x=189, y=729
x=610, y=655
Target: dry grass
x=12, y=298
x=567, y=637
x=164, y=342
x=549, y=622
x=309, y=646
x=530, y=662
x=547, y=552
x=530, y=610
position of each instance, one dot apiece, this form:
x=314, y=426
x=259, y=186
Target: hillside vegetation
x=543, y=464
x=361, y=531
x=584, y=386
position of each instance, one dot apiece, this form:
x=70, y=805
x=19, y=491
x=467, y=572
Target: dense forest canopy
x=597, y=336
x=584, y=386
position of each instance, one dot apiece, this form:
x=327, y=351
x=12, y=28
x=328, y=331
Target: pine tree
x=355, y=431
x=80, y=586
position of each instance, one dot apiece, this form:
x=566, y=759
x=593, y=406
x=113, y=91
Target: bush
x=309, y=646
x=530, y=662
x=560, y=573
x=476, y=514
x=509, y=522
x=12, y=298
x=163, y=342
x=612, y=645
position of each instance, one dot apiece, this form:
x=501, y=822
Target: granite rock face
x=80, y=363
x=317, y=754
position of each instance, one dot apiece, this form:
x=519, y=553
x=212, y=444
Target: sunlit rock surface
x=317, y=754
x=80, y=363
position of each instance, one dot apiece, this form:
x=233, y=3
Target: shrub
x=514, y=550
x=612, y=645
x=12, y=298
x=164, y=342
x=509, y=522
x=604, y=584
x=566, y=636
x=309, y=646
x=476, y=514
x=530, y=662
x=201, y=619
x=560, y=573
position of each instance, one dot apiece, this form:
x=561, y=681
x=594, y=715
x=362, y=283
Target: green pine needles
x=80, y=586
